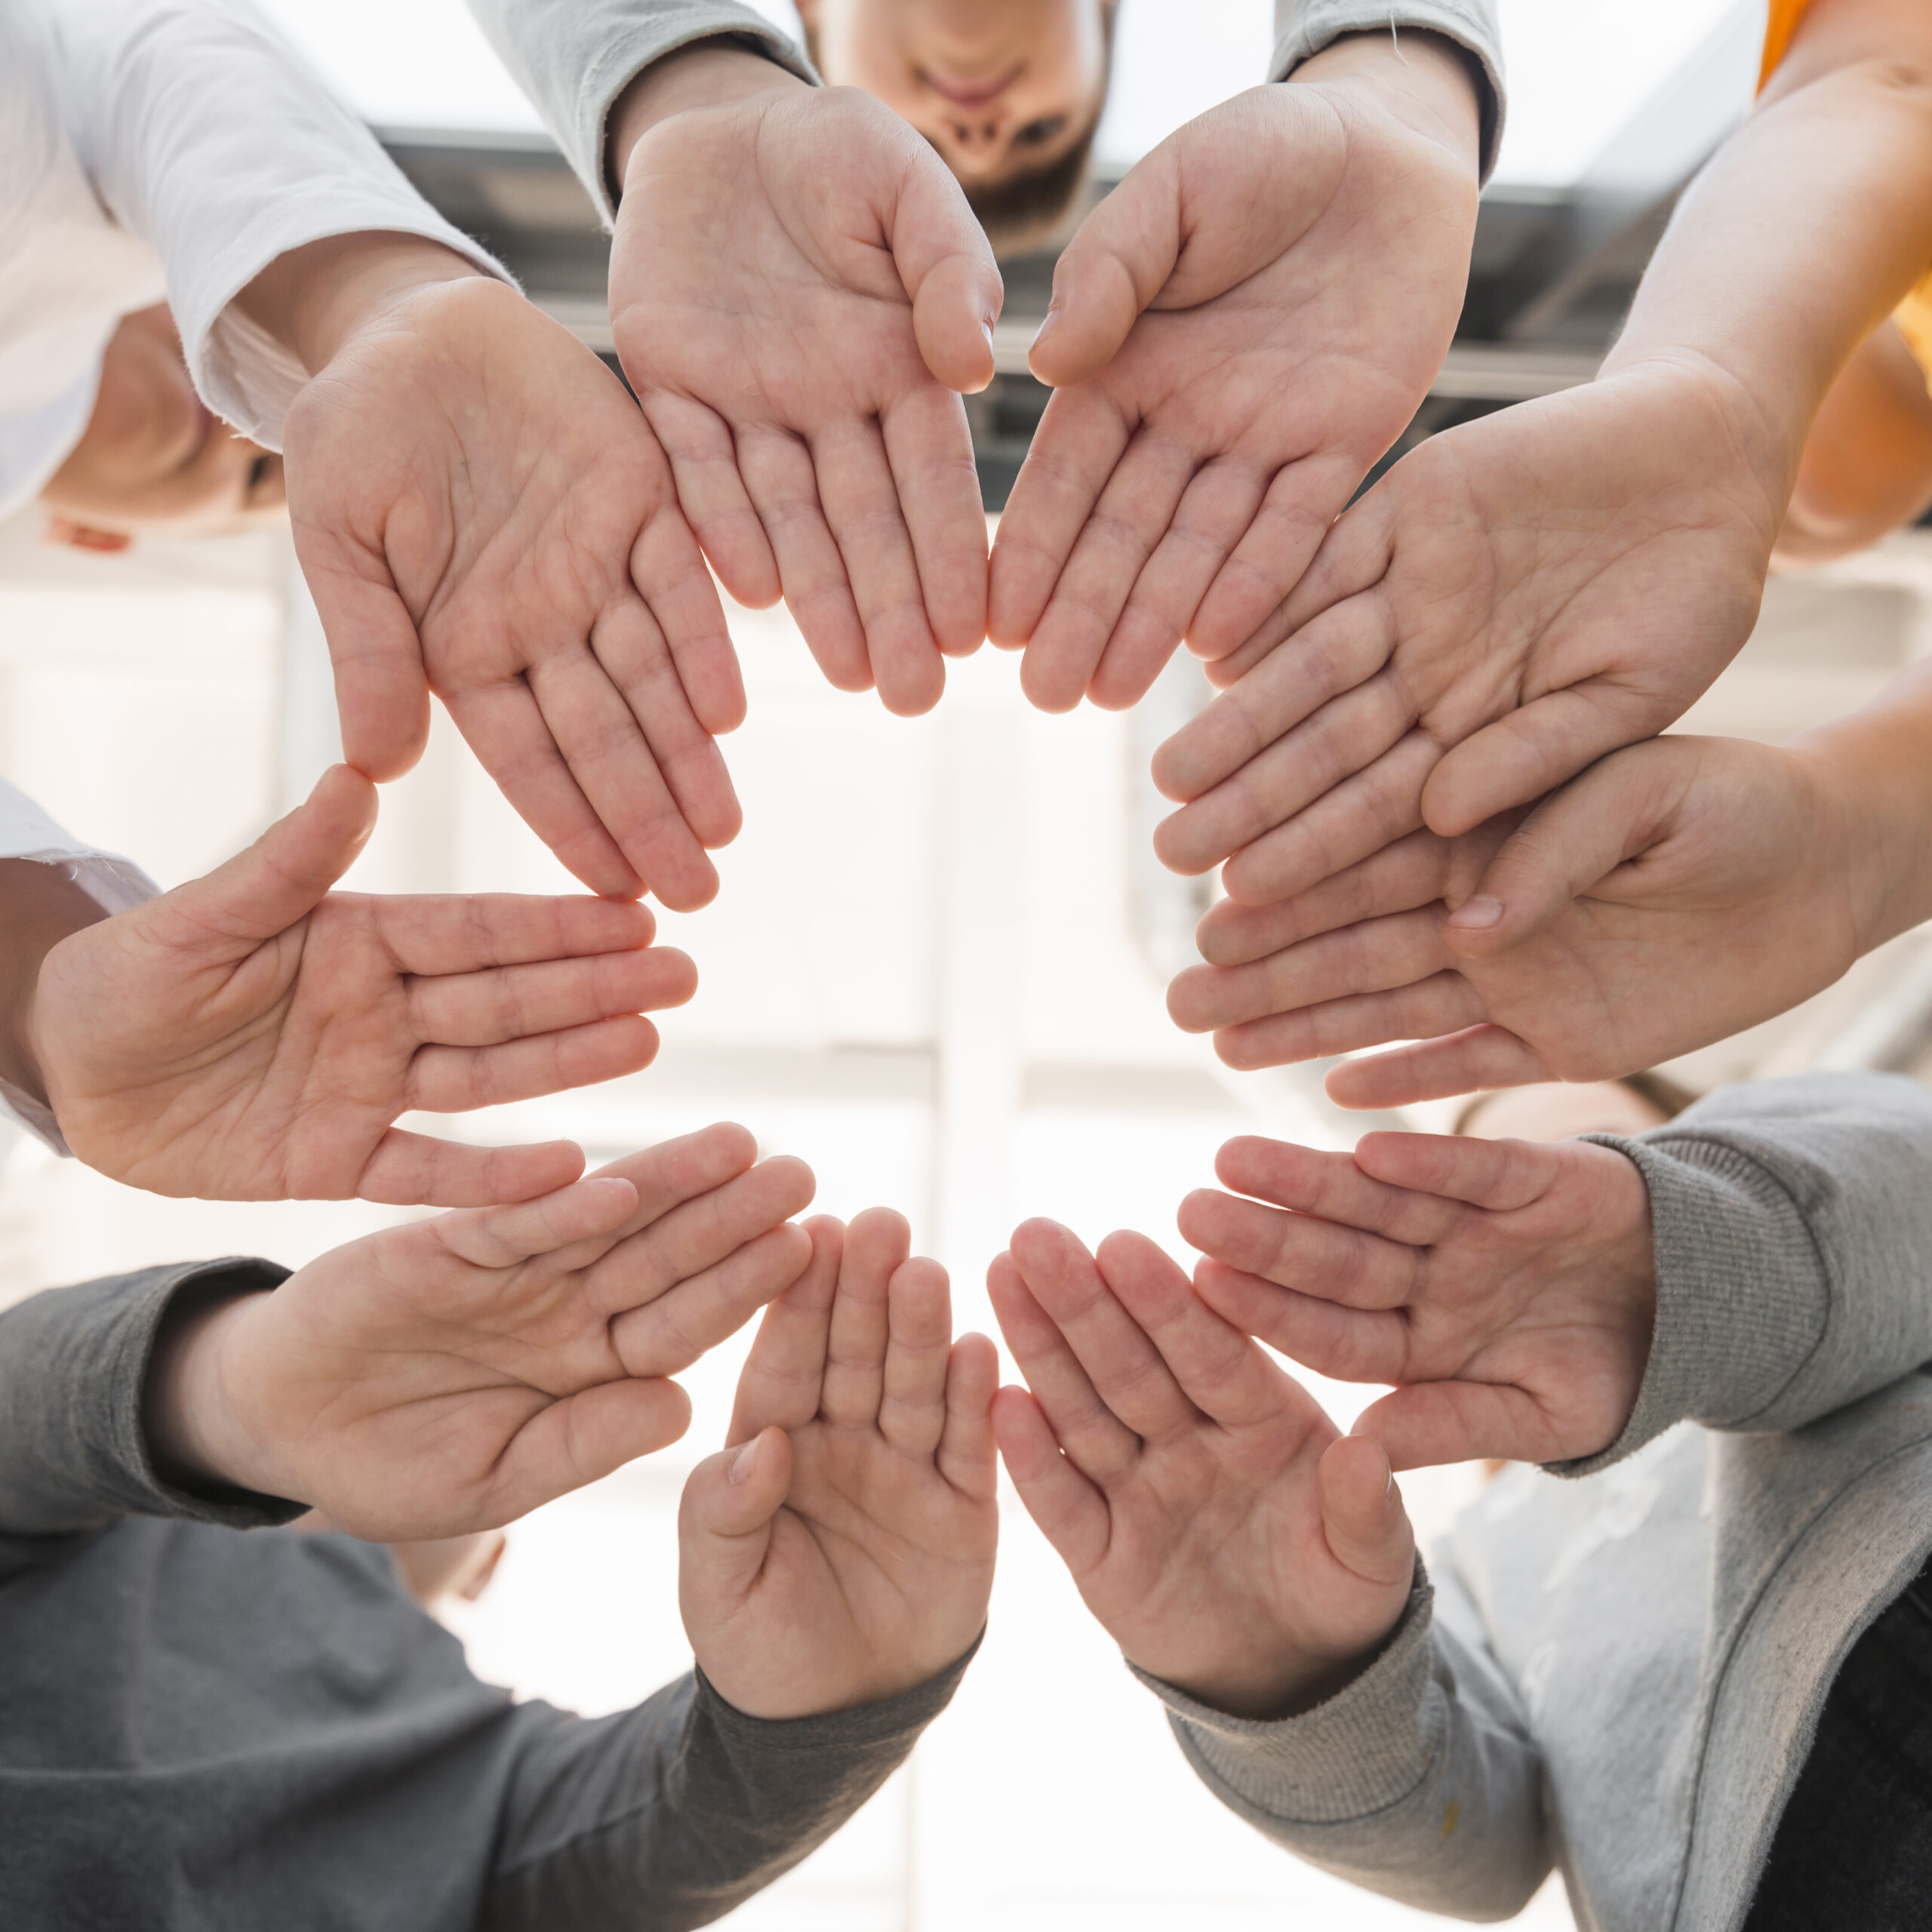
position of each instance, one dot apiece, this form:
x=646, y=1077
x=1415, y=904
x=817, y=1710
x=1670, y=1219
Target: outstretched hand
x=1223, y=1532
x=1227, y=369
x=1510, y=1287
x=450, y=1375
x=252, y=1036
x=840, y=1550
x=480, y=511
x=798, y=291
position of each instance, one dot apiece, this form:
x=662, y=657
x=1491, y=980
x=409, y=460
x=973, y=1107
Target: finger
x=667, y=570
x=1432, y=1423
x=724, y=1518
x=681, y=1170
x=946, y=264
x=862, y=508
x=1345, y=1344
x=417, y=1170
x=611, y=760
x=1069, y=1508
x=1102, y=1446
x=502, y=723
x=912, y=1406
x=1339, y=651
x=508, y=1003
x=1469, y=1062
x=786, y=1368
x=279, y=879
x=1344, y=1188
x=503, y=1236
x=1376, y=956
x=1445, y=1003
x=1499, y=1177
x=1079, y=624
x=1218, y=1370
x=1363, y=1520
x=930, y=449
x=582, y=1439
x=783, y=484
x=454, y=1080
x=1571, y=843
x=435, y=934
x=1401, y=877
x=966, y=1456
x=1124, y=1366
x=704, y=466
x=1082, y=435
x=382, y=693
x=1334, y=1261
x=696, y=1313
x=877, y=1244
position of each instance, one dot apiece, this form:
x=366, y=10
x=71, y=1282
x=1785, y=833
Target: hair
x=1029, y=209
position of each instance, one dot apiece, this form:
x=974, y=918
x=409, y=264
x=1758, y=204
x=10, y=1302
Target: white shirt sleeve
x=203, y=133
x=113, y=884
x=574, y=57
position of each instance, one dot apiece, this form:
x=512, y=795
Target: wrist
x=707, y=73
x=40, y=906
x=1426, y=81
x=316, y=298
x=195, y=1439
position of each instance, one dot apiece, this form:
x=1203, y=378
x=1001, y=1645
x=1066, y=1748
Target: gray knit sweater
x=1617, y=1668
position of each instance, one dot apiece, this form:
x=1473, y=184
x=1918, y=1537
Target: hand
x=1510, y=1286
x=797, y=286
x=1224, y=1534
x=1238, y=331
x=450, y=1375
x=253, y=1036
x=1516, y=598
x=480, y=511
x=840, y=1551
x=1677, y=893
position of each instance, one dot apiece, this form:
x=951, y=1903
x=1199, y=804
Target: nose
x=981, y=135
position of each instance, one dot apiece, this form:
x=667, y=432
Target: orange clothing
x=1778, y=30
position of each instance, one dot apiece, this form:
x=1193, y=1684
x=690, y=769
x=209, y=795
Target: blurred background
x=935, y=968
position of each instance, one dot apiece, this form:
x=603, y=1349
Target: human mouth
x=969, y=93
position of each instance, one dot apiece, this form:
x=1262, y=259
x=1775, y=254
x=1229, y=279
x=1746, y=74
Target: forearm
x=1425, y=80
x=1802, y=233
x=40, y=904
x=1418, y=1781
x=672, y=1814
x=575, y=57
x=709, y=73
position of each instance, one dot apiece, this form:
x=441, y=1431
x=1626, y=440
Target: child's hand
x=841, y=1549
x=797, y=289
x=1516, y=598
x=1677, y=893
x=1509, y=1285
x=253, y=1036
x=1224, y=1533
x=480, y=511
x=452, y=1374
x=1238, y=330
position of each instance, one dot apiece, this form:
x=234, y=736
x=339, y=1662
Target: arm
x=1258, y=1571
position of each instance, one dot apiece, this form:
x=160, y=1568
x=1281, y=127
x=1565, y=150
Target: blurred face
x=1557, y=1109
x=1001, y=88
x=153, y=457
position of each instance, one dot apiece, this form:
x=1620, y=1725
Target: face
x=1557, y=1109
x=1001, y=88
x=153, y=457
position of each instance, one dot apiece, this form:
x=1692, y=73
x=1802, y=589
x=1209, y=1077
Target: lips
x=969, y=93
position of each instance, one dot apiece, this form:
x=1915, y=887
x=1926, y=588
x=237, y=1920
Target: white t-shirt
x=152, y=149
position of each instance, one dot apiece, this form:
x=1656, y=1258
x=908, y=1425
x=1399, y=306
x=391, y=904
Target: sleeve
x=1302, y=28
x=73, y=1366
x=1792, y=1221
x=113, y=884
x=1419, y=1780
x=203, y=133
x=574, y=57
x=673, y=1814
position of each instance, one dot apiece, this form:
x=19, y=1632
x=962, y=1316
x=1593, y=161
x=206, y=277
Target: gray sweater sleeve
x=1419, y=1780
x=672, y=1815
x=73, y=1363
x=574, y=57
x=1302, y=28
x=1793, y=1225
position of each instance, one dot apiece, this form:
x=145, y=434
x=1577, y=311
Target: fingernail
x=1477, y=915
x=986, y=330
x=741, y=1464
x=1046, y=326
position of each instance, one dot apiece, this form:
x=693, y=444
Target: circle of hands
x=1411, y=685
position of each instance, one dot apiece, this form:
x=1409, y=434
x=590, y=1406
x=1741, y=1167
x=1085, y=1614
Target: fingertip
x=794, y=1180
x=692, y=886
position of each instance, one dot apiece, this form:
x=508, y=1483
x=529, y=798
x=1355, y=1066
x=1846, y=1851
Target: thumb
x=947, y=266
x=1362, y=1518
x=283, y=876
x=1574, y=840
x=724, y=1520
